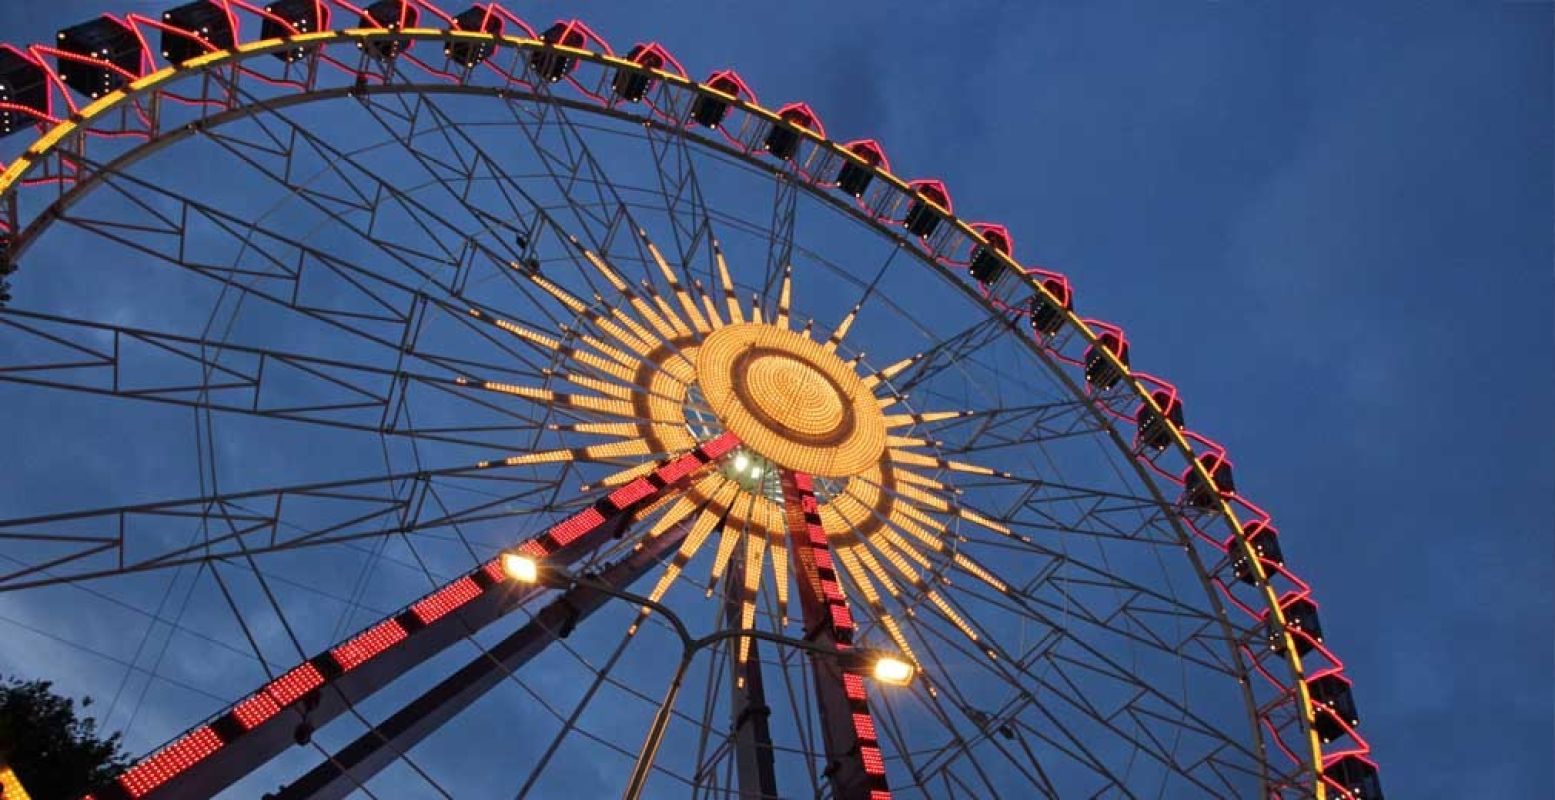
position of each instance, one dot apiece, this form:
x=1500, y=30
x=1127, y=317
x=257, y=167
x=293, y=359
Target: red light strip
x=271, y=699
x=814, y=568
x=168, y=762
x=368, y=644
x=444, y=601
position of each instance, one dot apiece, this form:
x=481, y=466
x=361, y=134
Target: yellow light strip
x=950, y=614
x=903, y=420
x=712, y=512
x=920, y=460
x=785, y=297
x=682, y=330
x=978, y=519
x=606, y=270
x=779, y=544
x=617, y=355
x=917, y=479
x=646, y=310
x=606, y=388
x=755, y=553
x=730, y=300
x=977, y=571
x=630, y=447
x=681, y=295
x=915, y=495
x=892, y=371
x=626, y=330
x=712, y=311
x=624, y=476
x=895, y=548
x=534, y=337
x=872, y=600
x=733, y=531
x=562, y=296
x=687, y=503
x=842, y=330
x=11, y=786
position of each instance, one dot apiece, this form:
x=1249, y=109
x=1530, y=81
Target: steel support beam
x=751, y=734
x=853, y=759
x=286, y=711
x=356, y=763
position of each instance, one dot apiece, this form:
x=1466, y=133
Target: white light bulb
x=741, y=462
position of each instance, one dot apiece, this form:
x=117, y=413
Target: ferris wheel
x=417, y=404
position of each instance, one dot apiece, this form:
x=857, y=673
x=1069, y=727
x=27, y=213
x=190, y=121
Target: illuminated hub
x=791, y=400
x=660, y=368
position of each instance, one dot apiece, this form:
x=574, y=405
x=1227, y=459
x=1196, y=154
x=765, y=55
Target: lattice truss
x=304, y=343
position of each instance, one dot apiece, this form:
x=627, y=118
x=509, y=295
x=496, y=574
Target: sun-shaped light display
x=653, y=380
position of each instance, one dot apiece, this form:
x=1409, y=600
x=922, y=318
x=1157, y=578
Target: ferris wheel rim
x=1181, y=439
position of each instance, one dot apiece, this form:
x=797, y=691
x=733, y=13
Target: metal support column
x=854, y=761
x=752, y=737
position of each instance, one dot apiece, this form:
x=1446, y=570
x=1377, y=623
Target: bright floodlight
x=893, y=671
x=741, y=462
x=520, y=568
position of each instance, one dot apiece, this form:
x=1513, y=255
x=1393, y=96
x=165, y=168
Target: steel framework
x=428, y=221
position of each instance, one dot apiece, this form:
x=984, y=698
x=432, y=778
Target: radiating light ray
x=785, y=297
x=672, y=278
x=687, y=502
x=713, y=317
x=616, y=408
x=618, y=429
x=626, y=330
x=910, y=458
x=734, y=530
x=531, y=336
x=623, y=476
x=713, y=512
x=606, y=388
x=895, y=548
x=904, y=420
x=779, y=544
x=978, y=519
x=669, y=327
x=730, y=300
x=561, y=295
x=605, y=269
x=952, y=616
x=976, y=570
x=598, y=452
x=857, y=573
x=917, y=479
x=842, y=330
x=607, y=323
x=755, y=553
x=682, y=330
x=892, y=371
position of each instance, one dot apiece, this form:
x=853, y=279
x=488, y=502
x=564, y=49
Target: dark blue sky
x=1330, y=226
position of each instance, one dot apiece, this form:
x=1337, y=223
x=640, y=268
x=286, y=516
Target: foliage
x=56, y=753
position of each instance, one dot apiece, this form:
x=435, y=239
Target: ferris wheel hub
x=791, y=399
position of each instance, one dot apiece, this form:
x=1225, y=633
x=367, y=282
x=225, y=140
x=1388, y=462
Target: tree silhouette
x=56, y=754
